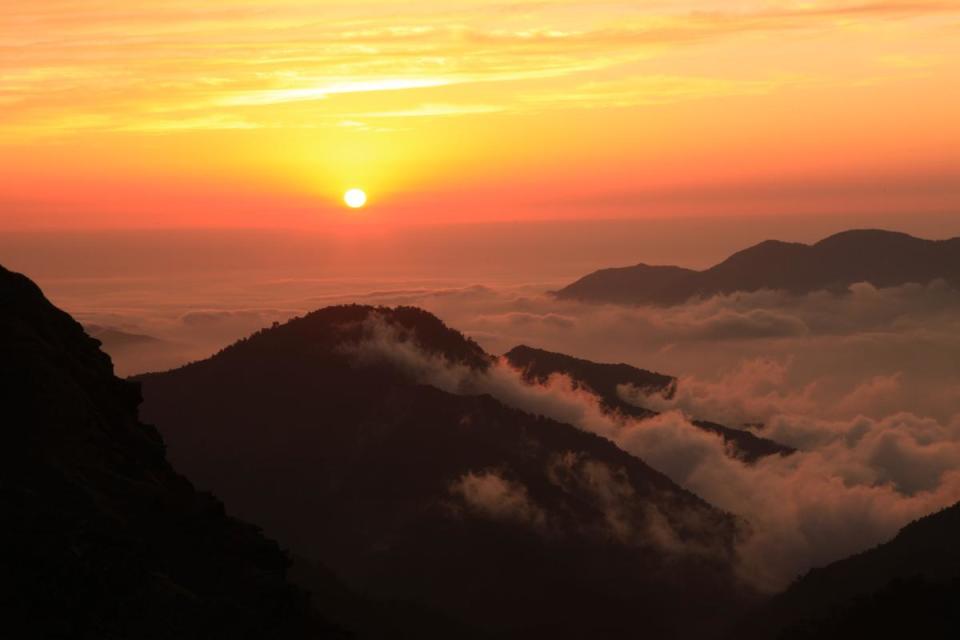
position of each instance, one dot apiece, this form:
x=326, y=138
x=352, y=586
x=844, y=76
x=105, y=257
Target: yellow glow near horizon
x=355, y=198
x=225, y=112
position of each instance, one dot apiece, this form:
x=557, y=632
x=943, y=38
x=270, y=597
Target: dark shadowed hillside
x=882, y=258
x=100, y=537
x=516, y=524
x=538, y=365
x=908, y=587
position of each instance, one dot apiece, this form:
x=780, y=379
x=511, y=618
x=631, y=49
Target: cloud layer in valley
x=866, y=385
x=866, y=465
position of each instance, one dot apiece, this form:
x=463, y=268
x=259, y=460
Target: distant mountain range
x=603, y=380
x=512, y=523
x=881, y=258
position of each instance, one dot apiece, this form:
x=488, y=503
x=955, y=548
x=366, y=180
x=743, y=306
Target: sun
x=355, y=198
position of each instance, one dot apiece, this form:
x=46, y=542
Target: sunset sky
x=216, y=113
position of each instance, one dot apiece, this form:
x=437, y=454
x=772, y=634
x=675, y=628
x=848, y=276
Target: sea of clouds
x=866, y=386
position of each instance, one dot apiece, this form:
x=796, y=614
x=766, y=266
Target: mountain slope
x=516, y=524
x=882, y=258
x=628, y=285
x=909, y=586
x=101, y=538
x=538, y=365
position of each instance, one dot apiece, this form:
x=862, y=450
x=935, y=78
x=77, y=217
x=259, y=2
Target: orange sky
x=224, y=113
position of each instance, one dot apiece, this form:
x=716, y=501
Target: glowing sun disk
x=355, y=198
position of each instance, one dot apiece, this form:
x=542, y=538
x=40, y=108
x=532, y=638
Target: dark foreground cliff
x=101, y=538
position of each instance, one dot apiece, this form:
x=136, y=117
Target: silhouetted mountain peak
x=329, y=331
x=881, y=258
x=769, y=247
x=554, y=526
x=763, y=253
x=34, y=327
x=853, y=238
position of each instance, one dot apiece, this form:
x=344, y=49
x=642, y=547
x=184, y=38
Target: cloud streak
x=111, y=66
x=493, y=496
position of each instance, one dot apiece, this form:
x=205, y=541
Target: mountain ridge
x=537, y=365
x=907, y=586
x=881, y=258
x=562, y=532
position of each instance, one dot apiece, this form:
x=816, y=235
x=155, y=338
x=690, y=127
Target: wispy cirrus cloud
x=129, y=62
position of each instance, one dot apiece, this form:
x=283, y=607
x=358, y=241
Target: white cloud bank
x=861, y=473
